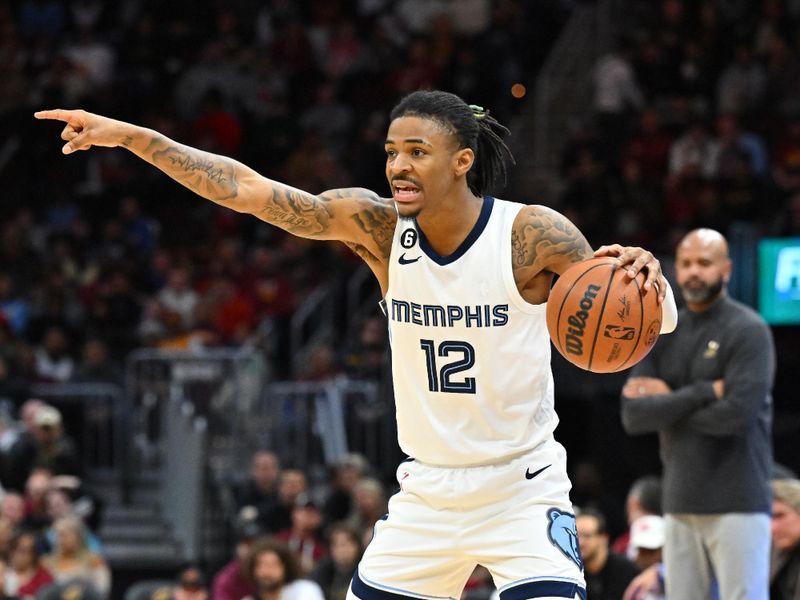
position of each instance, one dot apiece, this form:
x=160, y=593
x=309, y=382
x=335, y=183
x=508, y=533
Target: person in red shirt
x=26, y=576
x=233, y=582
x=303, y=536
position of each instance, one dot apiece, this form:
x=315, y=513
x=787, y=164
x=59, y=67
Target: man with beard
x=706, y=391
x=276, y=572
x=607, y=574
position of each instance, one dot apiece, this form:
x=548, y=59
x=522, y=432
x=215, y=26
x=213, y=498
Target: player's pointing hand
x=84, y=129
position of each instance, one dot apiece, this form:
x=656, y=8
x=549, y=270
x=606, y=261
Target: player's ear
x=463, y=160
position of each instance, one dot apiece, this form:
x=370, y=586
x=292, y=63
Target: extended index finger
x=57, y=114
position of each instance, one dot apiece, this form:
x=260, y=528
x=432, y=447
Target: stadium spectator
x=260, y=489
x=70, y=559
x=616, y=93
x=345, y=474
x=644, y=498
x=191, y=584
x=303, y=537
x=334, y=572
x=53, y=360
x=232, y=582
x=274, y=569
x=96, y=365
x=35, y=498
x=369, y=505
x=55, y=450
x=25, y=575
x=607, y=574
x=647, y=540
x=785, y=563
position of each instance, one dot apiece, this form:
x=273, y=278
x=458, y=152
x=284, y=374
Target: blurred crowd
x=102, y=254
x=319, y=533
x=696, y=122
x=48, y=516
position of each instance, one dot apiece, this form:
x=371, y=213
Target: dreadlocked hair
x=472, y=126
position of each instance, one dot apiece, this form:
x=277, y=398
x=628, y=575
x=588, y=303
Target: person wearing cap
x=55, y=450
x=647, y=540
x=644, y=498
x=303, y=536
x=785, y=561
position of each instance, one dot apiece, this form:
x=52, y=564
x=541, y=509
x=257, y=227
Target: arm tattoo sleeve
x=211, y=176
x=226, y=182
x=298, y=212
x=545, y=234
x=378, y=222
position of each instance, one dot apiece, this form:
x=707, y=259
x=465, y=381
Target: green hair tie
x=478, y=111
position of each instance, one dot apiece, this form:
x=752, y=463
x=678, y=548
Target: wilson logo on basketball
x=577, y=322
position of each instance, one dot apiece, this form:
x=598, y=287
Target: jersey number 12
x=441, y=380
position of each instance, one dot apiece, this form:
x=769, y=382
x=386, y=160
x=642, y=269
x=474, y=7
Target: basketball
x=599, y=319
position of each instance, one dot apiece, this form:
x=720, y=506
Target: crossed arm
x=723, y=407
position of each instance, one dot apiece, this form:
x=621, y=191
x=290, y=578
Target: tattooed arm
x=544, y=242
x=355, y=216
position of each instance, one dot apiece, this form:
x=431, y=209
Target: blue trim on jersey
x=543, y=589
x=480, y=225
x=365, y=591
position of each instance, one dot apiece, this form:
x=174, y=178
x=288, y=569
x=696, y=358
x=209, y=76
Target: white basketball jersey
x=470, y=357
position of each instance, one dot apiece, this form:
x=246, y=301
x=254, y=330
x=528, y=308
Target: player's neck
x=448, y=224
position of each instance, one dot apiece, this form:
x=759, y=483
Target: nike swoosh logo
x=407, y=261
x=529, y=475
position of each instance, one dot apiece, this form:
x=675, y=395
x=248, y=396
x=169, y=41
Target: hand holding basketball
x=601, y=320
x=636, y=260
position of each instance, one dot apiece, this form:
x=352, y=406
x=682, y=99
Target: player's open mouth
x=404, y=191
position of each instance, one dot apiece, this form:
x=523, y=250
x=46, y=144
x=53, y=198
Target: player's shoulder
x=356, y=193
x=537, y=220
x=362, y=205
x=538, y=212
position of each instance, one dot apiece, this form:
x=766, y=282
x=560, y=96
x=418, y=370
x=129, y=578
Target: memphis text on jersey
x=449, y=315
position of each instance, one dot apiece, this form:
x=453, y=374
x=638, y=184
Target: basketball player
x=465, y=278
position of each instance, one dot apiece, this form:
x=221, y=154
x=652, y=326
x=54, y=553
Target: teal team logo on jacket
x=563, y=534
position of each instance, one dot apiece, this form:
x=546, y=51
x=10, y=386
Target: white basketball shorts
x=513, y=518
